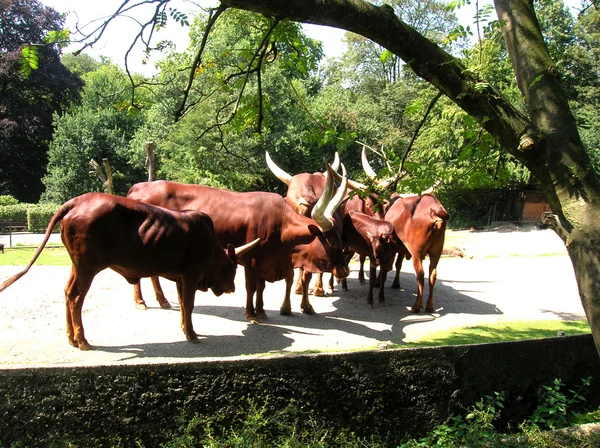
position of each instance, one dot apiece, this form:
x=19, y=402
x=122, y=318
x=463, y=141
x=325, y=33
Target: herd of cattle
x=196, y=236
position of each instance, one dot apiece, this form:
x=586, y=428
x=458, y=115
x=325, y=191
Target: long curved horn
x=339, y=196
x=318, y=211
x=370, y=172
x=279, y=173
x=239, y=251
x=336, y=163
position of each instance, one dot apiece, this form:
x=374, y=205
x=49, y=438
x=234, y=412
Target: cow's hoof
x=318, y=292
x=84, y=345
x=253, y=319
x=165, y=305
x=73, y=343
x=308, y=309
x=382, y=303
x=141, y=306
x=370, y=306
x=361, y=281
x=284, y=311
x=261, y=315
x=429, y=310
x=192, y=337
x=395, y=286
x=415, y=309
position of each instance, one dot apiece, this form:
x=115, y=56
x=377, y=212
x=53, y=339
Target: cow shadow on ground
x=346, y=318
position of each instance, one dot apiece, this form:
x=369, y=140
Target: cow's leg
x=250, y=290
x=361, y=270
x=160, y=295
x=331, y=282
x=260, y=304
x=420, y=274
x=286, y=306
x=298, y=288
x=140, y=304
x=186, y=292
x=318, y=290
x=75, y=291
x=372, y=274
x=305, y=305
x=381, y=279
x=396, y=282
x=433, y=261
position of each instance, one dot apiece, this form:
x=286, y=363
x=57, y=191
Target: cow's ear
x=314, y=230
x=231, y=252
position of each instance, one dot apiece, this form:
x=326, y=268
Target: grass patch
x=503, y=332
x=52, y=255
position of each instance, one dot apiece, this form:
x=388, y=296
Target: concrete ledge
x=399, y=393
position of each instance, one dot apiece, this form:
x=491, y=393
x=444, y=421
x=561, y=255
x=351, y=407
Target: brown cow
x=364, y=233
x=138, y=240
x=288, y=240
x=373, y=239
x=420, y=222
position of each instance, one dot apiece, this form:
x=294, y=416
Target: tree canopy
x=28, y=101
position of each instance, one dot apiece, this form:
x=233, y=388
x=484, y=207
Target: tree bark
x=546, y=140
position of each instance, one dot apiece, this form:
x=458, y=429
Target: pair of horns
x=287, y=178
x=329, y=201
x=323, y=210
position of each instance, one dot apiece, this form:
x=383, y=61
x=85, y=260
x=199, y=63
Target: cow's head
x=221, y=278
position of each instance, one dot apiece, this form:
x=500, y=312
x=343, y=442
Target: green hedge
x=39, y=215
x=36, y=216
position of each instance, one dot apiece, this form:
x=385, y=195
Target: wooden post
x=106, y=179
x=150, y=160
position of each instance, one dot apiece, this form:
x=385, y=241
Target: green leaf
x=29, y=59
x=386, y=56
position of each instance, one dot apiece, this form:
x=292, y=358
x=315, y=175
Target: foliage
x=7, y=199
x=263, y=425
x=558, y=407
x=14, y=212
x=27, y=103
x=39, y=215
x=102, y=127
x=478, y=428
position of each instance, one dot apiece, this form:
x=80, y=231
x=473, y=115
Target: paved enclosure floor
x=515, y=274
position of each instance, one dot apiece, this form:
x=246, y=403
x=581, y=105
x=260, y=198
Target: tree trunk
x=546, y=141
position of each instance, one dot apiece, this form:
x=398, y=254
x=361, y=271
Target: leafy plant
x=557, y=408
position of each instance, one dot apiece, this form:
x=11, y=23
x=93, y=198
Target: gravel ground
x=511, y=274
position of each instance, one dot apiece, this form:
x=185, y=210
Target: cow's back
x=238, y=218
x=420, y=222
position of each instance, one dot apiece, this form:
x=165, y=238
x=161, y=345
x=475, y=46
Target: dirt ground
x=509, y=273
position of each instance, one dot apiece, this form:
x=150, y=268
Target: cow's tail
x=61, y=212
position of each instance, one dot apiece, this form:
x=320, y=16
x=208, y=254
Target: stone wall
x=398, y=393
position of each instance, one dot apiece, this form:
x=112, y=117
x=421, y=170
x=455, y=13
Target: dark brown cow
x=288, y=240
x=364, y=233
x=375, y=240
x=138, y=240
x=420, y=222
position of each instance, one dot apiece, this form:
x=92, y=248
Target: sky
x=121, y=33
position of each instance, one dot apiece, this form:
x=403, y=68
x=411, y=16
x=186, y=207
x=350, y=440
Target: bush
x=7, y=199
x=16, y=212
x=38, y=216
